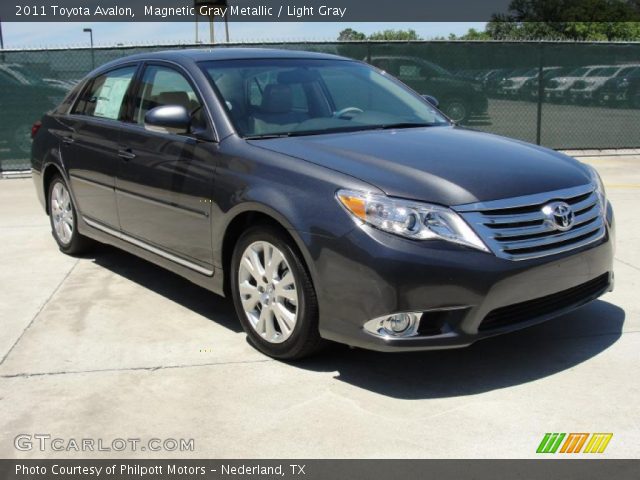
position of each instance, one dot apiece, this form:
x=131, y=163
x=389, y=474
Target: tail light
x=35, y=127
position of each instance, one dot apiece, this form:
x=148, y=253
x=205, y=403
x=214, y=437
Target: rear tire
x=64, y=218
x=273, y=295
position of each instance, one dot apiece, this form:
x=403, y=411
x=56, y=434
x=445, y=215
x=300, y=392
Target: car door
x=164, y=183
x=89, y=148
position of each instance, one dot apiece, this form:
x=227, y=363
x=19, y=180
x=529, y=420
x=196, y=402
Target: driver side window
x=162, y=86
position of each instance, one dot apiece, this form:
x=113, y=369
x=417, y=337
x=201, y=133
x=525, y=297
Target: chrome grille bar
x=517, y=229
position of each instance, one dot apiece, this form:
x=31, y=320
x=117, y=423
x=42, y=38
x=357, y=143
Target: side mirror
x=432, y=100
x=168, y=119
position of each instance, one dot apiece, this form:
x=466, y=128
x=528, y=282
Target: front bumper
x=369, y=274
x=614, y=96
x=555, y=94
x=582, y=95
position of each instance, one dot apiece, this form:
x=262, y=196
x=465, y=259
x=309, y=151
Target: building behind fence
x=561, y=95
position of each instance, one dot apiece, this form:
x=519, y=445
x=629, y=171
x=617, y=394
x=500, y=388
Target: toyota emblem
x=560, y=215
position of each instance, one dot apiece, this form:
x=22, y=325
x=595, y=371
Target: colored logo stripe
x=574, y=442
x=598, y=442
x=550, y=442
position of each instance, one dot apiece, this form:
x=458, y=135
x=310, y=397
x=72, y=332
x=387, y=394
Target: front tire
x=64, y=219
x=273, y=295
x=456, y=109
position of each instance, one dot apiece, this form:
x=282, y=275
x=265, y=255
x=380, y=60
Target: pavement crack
x=37, y=314
x=133, y=369
x=627, y=264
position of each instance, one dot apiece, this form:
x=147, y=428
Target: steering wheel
x=344, y=111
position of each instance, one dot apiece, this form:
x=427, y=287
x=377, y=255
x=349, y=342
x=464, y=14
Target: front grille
x=556, y=302
x=517, y=228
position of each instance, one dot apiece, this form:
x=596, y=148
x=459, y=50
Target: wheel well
x=236, y=228
x=47, y=176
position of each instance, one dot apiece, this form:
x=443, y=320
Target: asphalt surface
x=109, y=347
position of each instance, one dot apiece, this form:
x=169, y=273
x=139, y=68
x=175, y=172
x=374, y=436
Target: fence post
x=1, y=41
x=540, y=92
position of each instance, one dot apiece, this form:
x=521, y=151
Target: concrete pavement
x=108, y=346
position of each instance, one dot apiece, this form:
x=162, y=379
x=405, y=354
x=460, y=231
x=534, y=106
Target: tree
x=568, y=20
x=405, y=35
x=472, y=34
x=579, y=20
x=349, y=34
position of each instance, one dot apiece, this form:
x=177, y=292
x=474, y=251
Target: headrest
x=297, y=75
x=174, y=98
x=277, y=99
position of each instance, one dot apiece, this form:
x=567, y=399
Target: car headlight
x=414, y=220
x=597, y=182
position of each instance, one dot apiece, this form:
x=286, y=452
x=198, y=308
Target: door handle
x=68, y=140
x=126, y=154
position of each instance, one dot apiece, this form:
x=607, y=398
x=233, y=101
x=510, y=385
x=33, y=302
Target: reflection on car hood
x=446, y=165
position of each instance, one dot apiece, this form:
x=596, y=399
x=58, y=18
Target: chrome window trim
x=149, y=248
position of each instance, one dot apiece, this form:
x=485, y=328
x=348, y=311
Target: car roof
x=222, y=53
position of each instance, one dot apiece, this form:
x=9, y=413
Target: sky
x=60, y=34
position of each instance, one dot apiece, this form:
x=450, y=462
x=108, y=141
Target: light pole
x=1, y=40
x=93, y=58
x=209, y=5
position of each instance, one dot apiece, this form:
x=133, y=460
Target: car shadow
x=169, y=285
x=499, y=362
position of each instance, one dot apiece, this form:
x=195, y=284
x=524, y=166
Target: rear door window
x=105, y=97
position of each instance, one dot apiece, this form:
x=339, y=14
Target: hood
x=563, y=82
x=591, y=83
x=515, y=82
x=445, y=165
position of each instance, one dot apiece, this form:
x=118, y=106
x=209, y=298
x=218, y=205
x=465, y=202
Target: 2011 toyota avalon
x=327, y=198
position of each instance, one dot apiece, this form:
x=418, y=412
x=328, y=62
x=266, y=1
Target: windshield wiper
x=353, y=128
x=267, y=136
x=304, y=133
x=390, y=126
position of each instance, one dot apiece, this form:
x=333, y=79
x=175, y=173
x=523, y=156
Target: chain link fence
x=561, y=95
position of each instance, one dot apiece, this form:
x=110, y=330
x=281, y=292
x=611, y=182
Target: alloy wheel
x=268, y=291
x=62, y=213
x=456, y=111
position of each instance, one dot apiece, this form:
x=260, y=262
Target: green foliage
x=409, y=34
x=579, y=31
x=580, y=20
x=472, y=34
x=349, y=34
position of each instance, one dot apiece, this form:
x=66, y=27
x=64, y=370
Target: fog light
x=398, y=323
x=404, y=324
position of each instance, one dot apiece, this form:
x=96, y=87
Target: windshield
x=18, y=74
x=267, y=97
x=578, y=72
x=602, y=72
